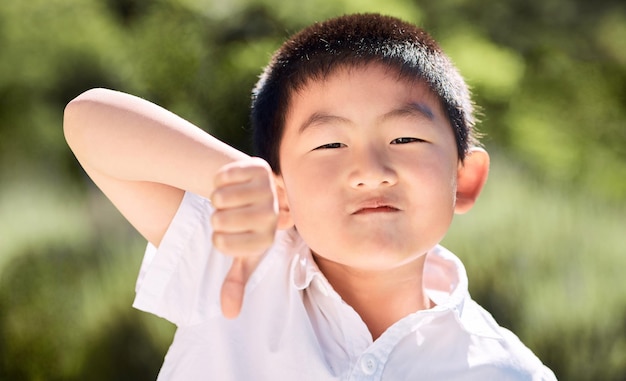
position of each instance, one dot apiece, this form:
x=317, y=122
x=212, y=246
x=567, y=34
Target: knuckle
x=241, y=245
x=264, y=216
x=219, y=220
x=260, y=162
x=261, y=170
x=215, y=220
x=221, y=177
x=217, y=198
x=229, y=244
x=219, y=242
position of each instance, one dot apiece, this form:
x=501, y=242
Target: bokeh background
x=544, y=246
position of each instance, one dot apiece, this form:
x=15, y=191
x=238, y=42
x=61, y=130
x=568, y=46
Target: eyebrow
x=321, y=118
x=411, y=109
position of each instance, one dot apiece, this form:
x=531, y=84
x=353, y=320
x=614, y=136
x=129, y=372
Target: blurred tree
x=565, y=115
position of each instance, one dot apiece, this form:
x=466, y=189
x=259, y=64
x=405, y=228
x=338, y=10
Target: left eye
x=405, y=140
x=330, y=146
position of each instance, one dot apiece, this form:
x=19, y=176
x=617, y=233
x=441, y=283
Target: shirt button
x=368, y=364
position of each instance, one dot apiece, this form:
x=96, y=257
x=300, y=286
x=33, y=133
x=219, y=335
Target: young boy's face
x=369, y=166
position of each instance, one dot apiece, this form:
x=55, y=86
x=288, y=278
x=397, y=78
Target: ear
x=284, y=214
x=471, y=176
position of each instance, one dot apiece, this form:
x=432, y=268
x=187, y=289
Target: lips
x=379, y=209
x=377, y=205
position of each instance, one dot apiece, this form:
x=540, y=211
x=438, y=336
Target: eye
x=331, y=146
x=405, y=140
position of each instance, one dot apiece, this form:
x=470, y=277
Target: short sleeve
x=181, y=279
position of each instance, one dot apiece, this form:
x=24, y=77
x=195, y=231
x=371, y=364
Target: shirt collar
x=445, y=281
x=303, y=268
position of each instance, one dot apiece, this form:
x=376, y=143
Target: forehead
x=358, y=92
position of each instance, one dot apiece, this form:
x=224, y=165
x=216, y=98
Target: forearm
x=128, y=138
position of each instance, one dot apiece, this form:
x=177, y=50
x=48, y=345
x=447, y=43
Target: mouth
x=377, y=209
x=375, y=206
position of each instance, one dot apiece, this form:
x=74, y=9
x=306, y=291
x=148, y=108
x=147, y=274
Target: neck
x=381, y=298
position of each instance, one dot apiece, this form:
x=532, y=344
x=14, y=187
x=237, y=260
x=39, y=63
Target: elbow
x=76, y=116
x=69, y=119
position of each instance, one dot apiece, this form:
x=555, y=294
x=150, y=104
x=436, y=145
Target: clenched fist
x=244, y=222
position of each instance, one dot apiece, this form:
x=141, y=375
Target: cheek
x=311, y=177
x=311, y=193
x=436, y=181
x=301, y=194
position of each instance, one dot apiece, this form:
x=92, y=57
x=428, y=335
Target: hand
x=244, y=223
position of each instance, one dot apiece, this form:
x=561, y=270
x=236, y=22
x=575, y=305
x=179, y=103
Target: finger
x=234, y=285
x=262, y=218
x=233, y=289
x=256, y=190
x=245, y=244
x=241, y=171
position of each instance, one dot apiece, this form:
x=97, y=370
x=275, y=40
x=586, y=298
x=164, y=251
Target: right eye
x=331, y=146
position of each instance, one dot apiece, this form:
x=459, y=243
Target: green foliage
x=563, y=114
x=65, y=296
x=545, y=263
x=549, y=78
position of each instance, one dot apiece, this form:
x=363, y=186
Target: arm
x=142, y=156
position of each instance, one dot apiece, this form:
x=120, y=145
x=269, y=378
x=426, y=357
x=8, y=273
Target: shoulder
x=507, y=353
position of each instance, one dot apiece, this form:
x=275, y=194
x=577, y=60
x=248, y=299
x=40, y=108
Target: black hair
x=353, y=41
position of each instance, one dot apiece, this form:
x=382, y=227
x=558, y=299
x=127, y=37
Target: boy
x=319, y=261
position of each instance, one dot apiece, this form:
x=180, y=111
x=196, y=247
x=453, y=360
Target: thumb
x=234, y=286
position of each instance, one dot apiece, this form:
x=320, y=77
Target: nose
x=372, y=168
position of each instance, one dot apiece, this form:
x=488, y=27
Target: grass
x=545, y=260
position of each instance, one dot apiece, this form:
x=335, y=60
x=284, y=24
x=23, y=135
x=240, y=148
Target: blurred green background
x=544, y=247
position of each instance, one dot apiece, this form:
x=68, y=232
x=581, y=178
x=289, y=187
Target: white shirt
x=294, y=326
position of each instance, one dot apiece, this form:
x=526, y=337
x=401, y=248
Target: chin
x=383, y=259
